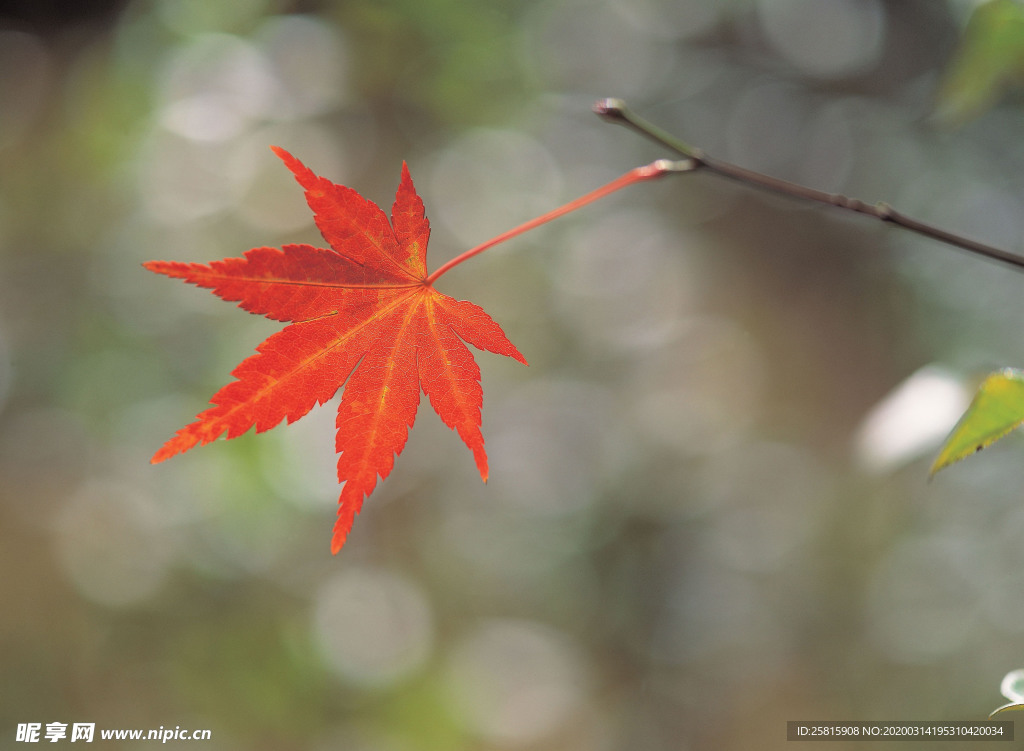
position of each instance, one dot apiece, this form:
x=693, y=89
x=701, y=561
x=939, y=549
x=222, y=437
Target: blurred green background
x=708, y=511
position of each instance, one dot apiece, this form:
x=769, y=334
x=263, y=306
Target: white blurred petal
x=912, y=420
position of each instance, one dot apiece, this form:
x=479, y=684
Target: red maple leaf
x=363, y=314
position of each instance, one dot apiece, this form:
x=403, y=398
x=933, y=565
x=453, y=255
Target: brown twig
x=616, y=111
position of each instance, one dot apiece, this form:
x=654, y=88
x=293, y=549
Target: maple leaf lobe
x=353, y=226
x=361, y=315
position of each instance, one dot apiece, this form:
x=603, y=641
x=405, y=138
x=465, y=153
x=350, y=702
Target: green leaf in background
x=989, y=59
x=1007, y=708
x=996, y=409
